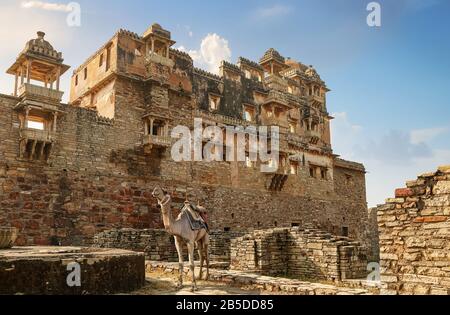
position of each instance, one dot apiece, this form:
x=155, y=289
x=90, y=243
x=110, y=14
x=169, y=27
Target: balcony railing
x=33, y=90
x=315, y=99
x=227, y=120
x=158, y=141
x=312, y=133
x=155, y=58
x=38, y=135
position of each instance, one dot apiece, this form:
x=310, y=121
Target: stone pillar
x=146, y=127
x=55, y=119
x=151, y=126
x=153, y=45
x=58, y=75
x=22, y=75
x=27, y=112
x=28, y=71
x=16, y=82
x=167, y=51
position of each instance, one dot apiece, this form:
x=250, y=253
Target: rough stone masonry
x=71, y=171
x=415, y=236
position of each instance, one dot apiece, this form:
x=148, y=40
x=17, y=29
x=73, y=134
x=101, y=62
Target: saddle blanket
x=196, y=224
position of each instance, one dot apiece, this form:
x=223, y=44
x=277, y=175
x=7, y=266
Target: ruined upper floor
x=273, y=91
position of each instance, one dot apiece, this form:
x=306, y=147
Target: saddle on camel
x=197, y=216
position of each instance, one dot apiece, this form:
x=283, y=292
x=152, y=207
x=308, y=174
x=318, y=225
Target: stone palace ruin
x=82, y=173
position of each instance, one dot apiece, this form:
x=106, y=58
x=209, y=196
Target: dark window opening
x=295, y=225
x=108, y=58
x=276, y=223
x=232, y=215
x=76, y=80
x=101, y=61
x=227, y=229
x=312, y=172
x=345, y=231
x=85, y=73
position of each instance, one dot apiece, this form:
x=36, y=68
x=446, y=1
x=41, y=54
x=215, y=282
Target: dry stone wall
x=415, y=236
x=158, y=245
x=304, y=253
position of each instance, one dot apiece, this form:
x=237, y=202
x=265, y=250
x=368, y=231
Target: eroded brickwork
x=415, y=237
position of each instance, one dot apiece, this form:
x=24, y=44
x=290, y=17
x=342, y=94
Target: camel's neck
x=166, y=210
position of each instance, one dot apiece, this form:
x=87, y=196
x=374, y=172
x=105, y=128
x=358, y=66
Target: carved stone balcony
x=33, y=91
x=45, y=136
x=155, y=58
x=161, y=142
x=274, y=121
x=312, y=133
x=36, y=144
x=221, y=119
x=276, y=181
x=274, y=82
x=315, y=100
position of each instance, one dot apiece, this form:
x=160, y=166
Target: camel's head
x=158, y=193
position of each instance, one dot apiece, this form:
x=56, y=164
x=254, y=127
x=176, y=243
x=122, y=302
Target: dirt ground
x=164, y=284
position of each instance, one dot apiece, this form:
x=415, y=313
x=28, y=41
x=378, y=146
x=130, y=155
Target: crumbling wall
x=415, y=236
x=303, y=253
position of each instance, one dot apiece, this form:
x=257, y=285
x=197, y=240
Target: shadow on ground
x=163, y=284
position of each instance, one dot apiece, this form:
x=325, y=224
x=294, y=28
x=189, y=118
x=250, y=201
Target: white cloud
x=213, y=49
x=425, y=135
x=345, y=135
x=48, y=6
x=273, y=11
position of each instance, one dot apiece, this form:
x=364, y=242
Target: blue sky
x=390, y=85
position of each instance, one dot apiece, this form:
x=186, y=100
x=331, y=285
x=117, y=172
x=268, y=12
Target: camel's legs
x=202, y=258
x=179, y=247
x=191, y=249
x=205, y=247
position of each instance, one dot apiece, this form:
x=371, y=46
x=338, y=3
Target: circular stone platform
x=43, y=270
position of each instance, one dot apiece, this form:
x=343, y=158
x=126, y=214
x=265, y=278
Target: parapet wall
x=303, y=253
x=415, y=237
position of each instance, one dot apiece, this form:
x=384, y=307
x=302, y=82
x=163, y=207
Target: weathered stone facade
x=303, y=253
x=93, y=165
x=415, y=237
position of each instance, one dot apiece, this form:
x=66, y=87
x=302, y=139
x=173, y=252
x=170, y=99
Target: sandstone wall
x=415, y=237
x=100, y=177
x=303, y=253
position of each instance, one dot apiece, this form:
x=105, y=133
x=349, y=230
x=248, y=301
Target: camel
x=181, y=229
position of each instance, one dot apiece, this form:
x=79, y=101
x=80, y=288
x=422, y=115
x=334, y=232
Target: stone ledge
x=43, y=270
